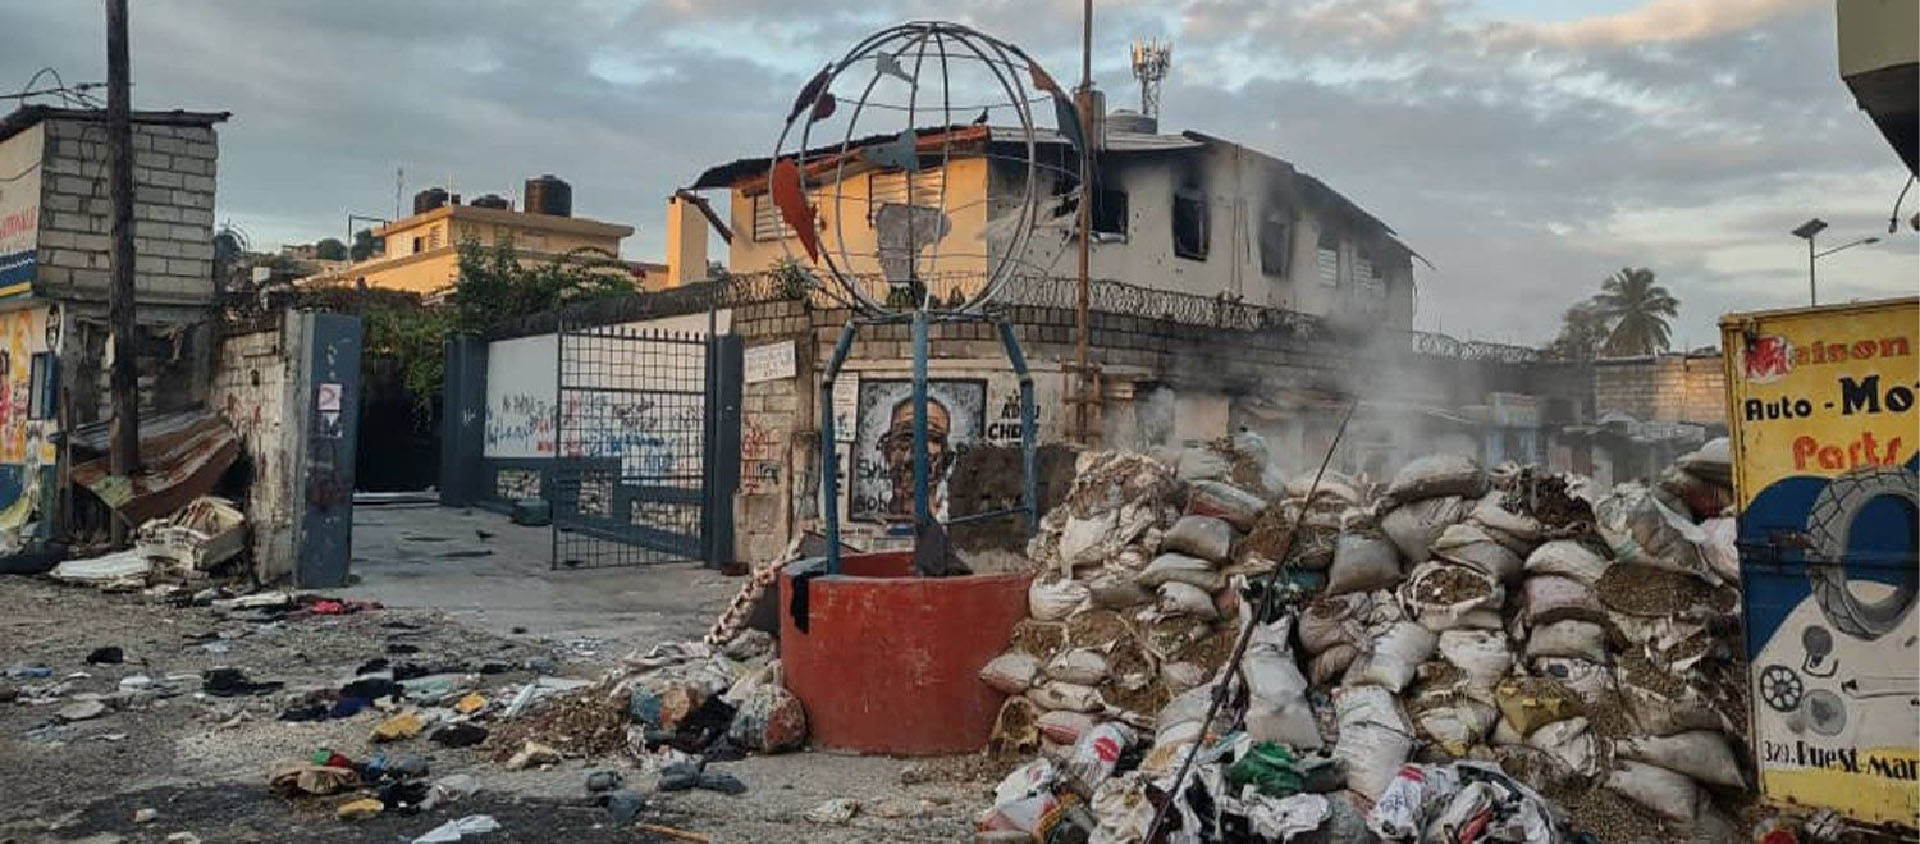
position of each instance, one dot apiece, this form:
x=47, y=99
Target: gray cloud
x=1527, y=160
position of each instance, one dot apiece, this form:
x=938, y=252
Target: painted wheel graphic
x=1781, y=688
x=1829, y=524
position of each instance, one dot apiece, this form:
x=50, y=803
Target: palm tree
x=1639, y=310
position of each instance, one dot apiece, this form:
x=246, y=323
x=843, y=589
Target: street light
x=1807, y=231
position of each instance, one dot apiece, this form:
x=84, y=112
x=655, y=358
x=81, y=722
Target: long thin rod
x=1222, y=683
x=122, y=378
x=1083, y=407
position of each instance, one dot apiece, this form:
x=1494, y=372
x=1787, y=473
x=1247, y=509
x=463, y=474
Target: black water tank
x=428, y=199
x=492, y=200
x=548, y=195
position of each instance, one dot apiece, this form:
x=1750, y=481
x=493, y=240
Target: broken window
x=767, y=223
x=1110, y=212
x=42, y=382
x=419, y=245
x=1327, y=256
x=1276, y=244
x=926, y=188
x=1190, y=230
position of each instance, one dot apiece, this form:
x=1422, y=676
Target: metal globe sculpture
x=901, y=109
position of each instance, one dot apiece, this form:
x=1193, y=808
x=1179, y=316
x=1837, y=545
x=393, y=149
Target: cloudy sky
x=1527, y=148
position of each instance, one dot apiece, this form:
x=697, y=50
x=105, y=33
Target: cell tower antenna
x=1151, y=60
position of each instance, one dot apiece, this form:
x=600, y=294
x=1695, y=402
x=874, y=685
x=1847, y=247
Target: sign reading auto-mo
x=20, y=158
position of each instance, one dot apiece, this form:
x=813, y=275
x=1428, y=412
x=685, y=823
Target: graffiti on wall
x=652, y=437
x=519, y=423
x=882, y=483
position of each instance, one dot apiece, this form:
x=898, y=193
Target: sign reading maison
x=20, y=158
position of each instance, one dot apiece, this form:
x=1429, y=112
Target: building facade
x=55, y=232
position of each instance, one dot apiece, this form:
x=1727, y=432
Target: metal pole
x=922, y=472
x=1813, y=291
x=122, y=383
x=1029, y=473
x=829, y=468
x=1083, y=403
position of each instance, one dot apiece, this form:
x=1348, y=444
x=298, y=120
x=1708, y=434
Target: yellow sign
x=1821, y=410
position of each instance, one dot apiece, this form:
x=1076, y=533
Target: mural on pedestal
x=882, y=484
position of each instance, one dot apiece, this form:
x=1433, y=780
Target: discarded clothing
x=459, y=735
x=373, y=688
x=230, y=682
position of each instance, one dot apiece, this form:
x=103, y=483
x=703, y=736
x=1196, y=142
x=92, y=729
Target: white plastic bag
x=1278, y=709
x=1643, y=531
x=1571, y=741
x=1055, y=601
x=1063, y=727
x=1397, y=653
x=1097, y=752
x=1375, y=738
x=1011, y=672
x=1457, y=724
x=1401, y=812
x=1719, y=549
x=1550, y=598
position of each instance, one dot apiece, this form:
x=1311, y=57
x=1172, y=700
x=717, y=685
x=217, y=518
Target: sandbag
x=1396, y=654
x=1277, y=708
x=1718, y=549
x=1440, y=595
x=1073, y=697
x=1012, y=672
x=1668, y=794
x=1083, y=540
x=1416, y=790
x=1570, y=638
x=1490, y=513
x=1206, y=537
x=1180, y=568
x=1703, y=499
x=1199, y=463
x=1181, y=676
x=1375, y=738
x=1712, y=462
x=1641, y=530
x=1571, y=741
x=1178, y=598
x=1701, y=754
x=769, y=720
x=1085, y=666
x=1055, y=601
x=1467, y=544
x=1331, y=620
x=1569, y=559
x=1482, y=655
x=1415, y=525
x=1363, y=561
x=1237, y=506
x=1064, y=727
x=1456, y=722
x=1591, y=682
x=1331, y=663
x=1438, y=475
x=1545, y=599
x=1116, y=591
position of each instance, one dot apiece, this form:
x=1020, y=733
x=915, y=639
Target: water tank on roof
x=428, y=199
x=492, y=200
x=549, y=194
x=1128, y=120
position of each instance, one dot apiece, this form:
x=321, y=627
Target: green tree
x=1639, y=311
x=365, y=245
x=331, y=249
x=1583, y=329
x=495, y=288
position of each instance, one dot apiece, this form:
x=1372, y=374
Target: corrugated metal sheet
x=183, y=457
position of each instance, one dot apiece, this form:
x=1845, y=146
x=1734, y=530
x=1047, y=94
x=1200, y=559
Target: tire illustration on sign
x=1781, y=688
x=1830, y=524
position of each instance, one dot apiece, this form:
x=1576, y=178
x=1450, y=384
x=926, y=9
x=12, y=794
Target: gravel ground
x=201, y=762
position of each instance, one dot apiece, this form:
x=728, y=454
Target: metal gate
x=647, y=454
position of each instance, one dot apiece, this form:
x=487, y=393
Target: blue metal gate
x=647, y=448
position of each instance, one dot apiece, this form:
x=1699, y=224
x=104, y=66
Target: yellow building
x=422, y=251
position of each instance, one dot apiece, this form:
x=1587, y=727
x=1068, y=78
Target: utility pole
x=122, y=385
x=1083, y=401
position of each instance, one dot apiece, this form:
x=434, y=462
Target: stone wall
x=173, y=214
x=1666, y=388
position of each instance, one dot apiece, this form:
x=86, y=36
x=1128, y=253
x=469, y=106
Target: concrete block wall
x=174, y=171
x=1665, y=388
x=250, y=386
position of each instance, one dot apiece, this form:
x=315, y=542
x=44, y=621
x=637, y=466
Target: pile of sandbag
x=1499, y=639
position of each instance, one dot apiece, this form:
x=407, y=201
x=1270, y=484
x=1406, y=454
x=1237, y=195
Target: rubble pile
x=1506, y=651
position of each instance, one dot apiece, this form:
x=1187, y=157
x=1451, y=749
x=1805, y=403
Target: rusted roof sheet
x=181, y=460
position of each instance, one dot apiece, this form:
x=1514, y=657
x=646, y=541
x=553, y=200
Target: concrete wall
x=1665, y=388
x=173, y=213
x=251, y=388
